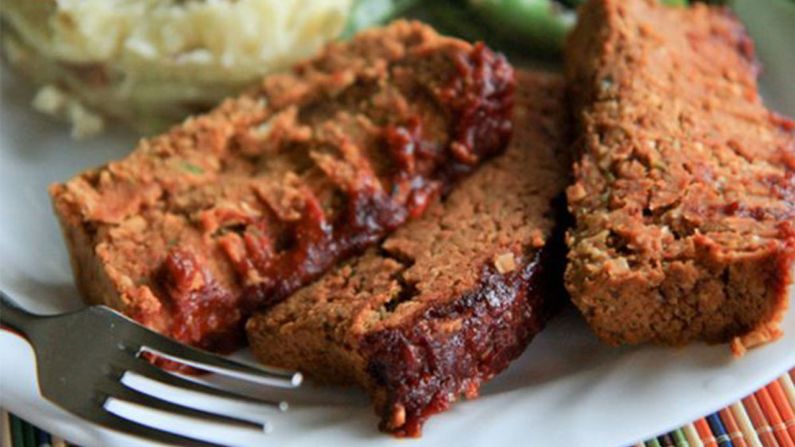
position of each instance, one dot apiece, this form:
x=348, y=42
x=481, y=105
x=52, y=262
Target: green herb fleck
x=192, y=168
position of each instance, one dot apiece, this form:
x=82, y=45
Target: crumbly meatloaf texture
x=684, y=193
x=237, y=208
x=448, y=300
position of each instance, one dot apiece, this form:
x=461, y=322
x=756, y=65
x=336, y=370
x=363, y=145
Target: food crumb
x=398, y=416
x=505, y=263
x=53, y=101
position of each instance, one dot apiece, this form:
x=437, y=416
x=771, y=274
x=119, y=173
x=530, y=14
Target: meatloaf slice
x=684, y=196
x=237, y=208
x=448, y=300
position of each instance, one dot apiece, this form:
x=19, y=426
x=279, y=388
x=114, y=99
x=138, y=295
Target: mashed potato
x=149, y=63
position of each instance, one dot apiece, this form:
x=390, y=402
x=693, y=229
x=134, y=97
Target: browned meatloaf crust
x=685, y=188
x=448, y=300
x=237, y=208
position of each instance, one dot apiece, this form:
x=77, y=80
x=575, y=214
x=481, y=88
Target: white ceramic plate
x=567, y=389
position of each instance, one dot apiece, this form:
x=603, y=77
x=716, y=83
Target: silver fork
x=81, y=357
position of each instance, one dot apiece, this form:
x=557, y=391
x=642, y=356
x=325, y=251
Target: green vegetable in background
x=538, y=25
x=523, y=27
x=575, y=3
x=541, y=24
x=453, y=17
x=368, y=13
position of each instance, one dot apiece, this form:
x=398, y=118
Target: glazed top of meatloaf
x=678, y=150
x=237, y=208
x=441, y=256
x=449, y=299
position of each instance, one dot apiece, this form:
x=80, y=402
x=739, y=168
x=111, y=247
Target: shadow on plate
x=568, y=348
x=43, y=297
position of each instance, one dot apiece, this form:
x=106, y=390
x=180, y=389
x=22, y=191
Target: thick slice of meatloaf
x=237, y=208
x=685, y=185
x=448, y=300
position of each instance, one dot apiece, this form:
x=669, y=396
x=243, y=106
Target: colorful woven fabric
x=765, y=418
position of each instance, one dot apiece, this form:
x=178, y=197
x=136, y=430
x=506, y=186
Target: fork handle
x=14, y=317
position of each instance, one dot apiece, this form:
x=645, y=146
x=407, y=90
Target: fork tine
x=206, y=361
x=144, y=368
x=119, y=391
x=122, y=424
x=170, y=349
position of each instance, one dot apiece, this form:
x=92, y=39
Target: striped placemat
x=765, y=418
